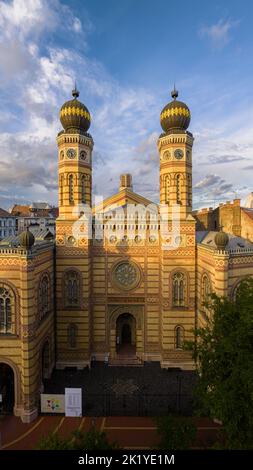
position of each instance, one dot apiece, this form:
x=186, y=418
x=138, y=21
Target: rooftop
x=235, y=243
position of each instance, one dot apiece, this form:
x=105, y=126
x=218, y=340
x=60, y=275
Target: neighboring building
x=121, y=298
x=249, y=201
x=39, y=215
x=7, y=224
x=230, y=216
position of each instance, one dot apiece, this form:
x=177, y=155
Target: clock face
x=61, y=155
x=188, y=154
x=166, y=155
x=179, y=154
x=71, y=153
x=83, y=155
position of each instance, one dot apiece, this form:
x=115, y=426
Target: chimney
x=126, y=182
x=237, y=202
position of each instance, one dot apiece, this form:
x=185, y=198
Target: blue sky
x=125, y=56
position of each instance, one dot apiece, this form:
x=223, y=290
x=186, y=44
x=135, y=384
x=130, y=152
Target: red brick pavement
x=128, y=432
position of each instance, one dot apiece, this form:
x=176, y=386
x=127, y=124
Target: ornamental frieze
x=220, y=263
x=9, y=262
x=241, y=260
x=174, y=253
x=152, y=300
x=75, y=252
x=126, y=300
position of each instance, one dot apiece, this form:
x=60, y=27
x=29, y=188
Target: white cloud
x=208, y=181
x=23, y=17
x=42, y=82
x=38, y=80
x=219, y=33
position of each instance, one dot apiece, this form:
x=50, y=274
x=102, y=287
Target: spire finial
x=174, y=93
x=75, y=92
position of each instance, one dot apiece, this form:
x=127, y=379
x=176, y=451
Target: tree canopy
x=223, y=351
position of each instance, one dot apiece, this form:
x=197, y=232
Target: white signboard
x=51, y=403
x=73, y=402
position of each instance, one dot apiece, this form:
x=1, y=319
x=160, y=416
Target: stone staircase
x=125, y=361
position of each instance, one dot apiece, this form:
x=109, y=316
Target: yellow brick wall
x=23, y=270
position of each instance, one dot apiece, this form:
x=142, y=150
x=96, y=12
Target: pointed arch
x=167, y=188
x=44, y=296
x=61, y=189
x=179, y=188
x=189, y=190
x=83, y=189
x=72, y=287
x=179, y=288
x=7, y=309
x=71, y=189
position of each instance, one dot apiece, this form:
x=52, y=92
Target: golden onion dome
x=74, y=114
x=221, y=240
x=26, y=239
x=175, y=115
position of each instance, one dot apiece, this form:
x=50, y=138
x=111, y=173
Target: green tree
x=223, y=352
x=92, y=440
x=54, y=442
x=79, y=440
x=176, y=433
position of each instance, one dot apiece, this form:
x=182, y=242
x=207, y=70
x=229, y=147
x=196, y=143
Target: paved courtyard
x=129, y=432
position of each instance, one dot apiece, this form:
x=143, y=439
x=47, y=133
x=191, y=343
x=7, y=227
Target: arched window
x=72, y=335
x=235, y=291
x=61, y=189
x=179, y=337
x=44, y=304
x=71, y=189
x=178, y=189
x=167, y=188
x=72, y=288
x=7, y=323
x=189, y=190
x=206, y=291
x=206, y=288
x=179, y=289
x=83, y=189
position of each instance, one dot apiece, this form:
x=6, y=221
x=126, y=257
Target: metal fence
x=136, y=404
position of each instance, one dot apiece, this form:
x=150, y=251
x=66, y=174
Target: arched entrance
x=126, y=334
x=7, y=393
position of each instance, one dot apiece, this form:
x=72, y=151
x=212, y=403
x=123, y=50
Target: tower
x=73, y=267
x=75, y=153
x=175, y=149
x=179, y=261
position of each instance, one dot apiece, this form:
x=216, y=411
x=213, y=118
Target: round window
x=126, y=275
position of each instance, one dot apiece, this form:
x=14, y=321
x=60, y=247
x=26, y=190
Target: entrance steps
x=126, y=361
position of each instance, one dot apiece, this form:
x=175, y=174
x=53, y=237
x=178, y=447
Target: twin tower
x=75, y=157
